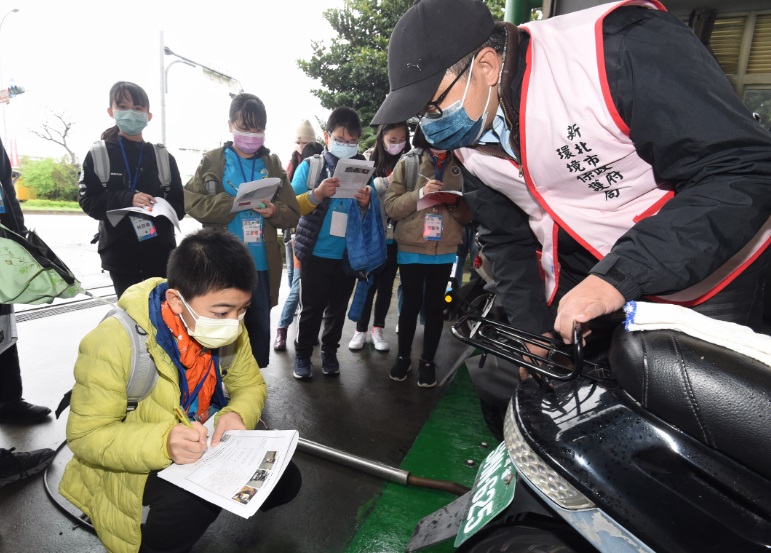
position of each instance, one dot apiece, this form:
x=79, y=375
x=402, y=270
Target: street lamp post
x=166, y=51
x=2, y=83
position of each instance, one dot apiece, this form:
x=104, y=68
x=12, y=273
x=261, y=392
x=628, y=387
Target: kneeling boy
x=117, y=455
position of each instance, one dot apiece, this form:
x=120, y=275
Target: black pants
x=257, y=320
x=325, y=290
x=384, y=286
x=177, y=518
x=10, y=375
x=121, y=281
x=414, y=277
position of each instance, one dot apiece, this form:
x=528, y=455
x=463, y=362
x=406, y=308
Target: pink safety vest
x=584, y=174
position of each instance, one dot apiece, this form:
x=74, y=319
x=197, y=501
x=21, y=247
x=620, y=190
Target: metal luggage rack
x=563, y=362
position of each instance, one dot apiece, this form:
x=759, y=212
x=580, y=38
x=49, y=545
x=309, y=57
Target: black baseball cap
x=427, y=40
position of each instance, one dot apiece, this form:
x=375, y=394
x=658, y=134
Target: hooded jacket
x=113, y=451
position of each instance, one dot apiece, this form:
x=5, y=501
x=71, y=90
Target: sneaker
x=21, y=412
x=378, y=340
x=400, y=369
x=303, y=368
x=17, y=465
x=358, y=340
x=280, y=343
x=330, y=366
x=426, y=374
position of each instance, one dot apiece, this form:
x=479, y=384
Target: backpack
x=101, y=160
x=143, y=375
x=315, y=167
x=411, y=165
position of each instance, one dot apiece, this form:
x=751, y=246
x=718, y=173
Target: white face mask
x=212, y=333
x=395, y=149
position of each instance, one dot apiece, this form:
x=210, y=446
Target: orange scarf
x=196, y=360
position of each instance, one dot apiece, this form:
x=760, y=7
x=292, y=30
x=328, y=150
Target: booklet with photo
x=440, y=197
x=254, y=194
x=354, y=174
x=239, y=474
x=161, y=208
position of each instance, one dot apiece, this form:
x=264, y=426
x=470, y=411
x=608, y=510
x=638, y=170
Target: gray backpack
x=143, y=375
x=102, y=163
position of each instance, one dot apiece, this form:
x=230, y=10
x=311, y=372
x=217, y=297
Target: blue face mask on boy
x=129, y=121
x=454, y=128
x=343, y=151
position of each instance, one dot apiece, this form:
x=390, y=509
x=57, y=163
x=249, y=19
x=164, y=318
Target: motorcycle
x=661, y=444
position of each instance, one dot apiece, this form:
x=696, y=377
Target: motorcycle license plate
x=493, y=491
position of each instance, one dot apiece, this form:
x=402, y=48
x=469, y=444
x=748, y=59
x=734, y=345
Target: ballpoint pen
x=183, y=418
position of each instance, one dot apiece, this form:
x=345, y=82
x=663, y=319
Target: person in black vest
x=15, y=465
x=137, y=247
x=321, y=246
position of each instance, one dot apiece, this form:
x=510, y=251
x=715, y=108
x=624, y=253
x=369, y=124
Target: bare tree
x=58, y=132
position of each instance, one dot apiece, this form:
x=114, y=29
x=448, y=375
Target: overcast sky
x=69, y=53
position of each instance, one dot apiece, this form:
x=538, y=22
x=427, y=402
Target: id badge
x=144, y=228
x=432, y=227
x=252, y=231
x=2, y=202
x=339, y=224
x=390, y=231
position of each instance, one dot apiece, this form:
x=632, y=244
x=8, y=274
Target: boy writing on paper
x=188, y=319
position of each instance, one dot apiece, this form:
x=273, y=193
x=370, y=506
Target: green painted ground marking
x=452, y=434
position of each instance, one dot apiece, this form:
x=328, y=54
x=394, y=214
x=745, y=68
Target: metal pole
x=163, y=92
x=2, y=83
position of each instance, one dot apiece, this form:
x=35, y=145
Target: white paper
x=251, y=194
x=354, y=174
x=161, y=208
x=239, y=474
x=440, y=197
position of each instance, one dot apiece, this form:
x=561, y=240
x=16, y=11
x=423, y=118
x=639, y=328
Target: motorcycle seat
x=718, y=396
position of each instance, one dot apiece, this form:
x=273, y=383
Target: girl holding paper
x=427, y=240
x=120, y=171
x=209, y=198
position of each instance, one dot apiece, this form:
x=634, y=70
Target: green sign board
x=493, y=492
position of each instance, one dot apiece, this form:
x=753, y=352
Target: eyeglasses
x=345, y=143
x=433, y=111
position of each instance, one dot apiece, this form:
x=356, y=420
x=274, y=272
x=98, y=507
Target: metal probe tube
x=391, y=474
x=374, y=468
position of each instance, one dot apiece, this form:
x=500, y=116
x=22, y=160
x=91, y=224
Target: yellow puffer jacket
x=112, y=456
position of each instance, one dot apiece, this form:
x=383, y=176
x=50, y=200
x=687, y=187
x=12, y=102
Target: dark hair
x=210, y=260
x=385, y=162
x=251, y=110
x=310, y=149
x=118, y=92
x=419, y=139
x=496, y=41
x=344, y=117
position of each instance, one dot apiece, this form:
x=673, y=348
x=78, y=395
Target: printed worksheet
x=254, y=194
x=354, y=174
x=239, y=474
x=161, y=208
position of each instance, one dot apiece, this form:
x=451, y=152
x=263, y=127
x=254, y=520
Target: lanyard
x=128, y=169
x=438, y=174
x=191, y=398
x=254, y=164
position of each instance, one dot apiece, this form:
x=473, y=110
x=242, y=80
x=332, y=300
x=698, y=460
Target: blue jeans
x=467, y=246
x=290, y=304
x=289, y=262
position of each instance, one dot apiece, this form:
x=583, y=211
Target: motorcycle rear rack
x=509, y=343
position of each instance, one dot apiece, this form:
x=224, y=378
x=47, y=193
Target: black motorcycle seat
x=719, y=396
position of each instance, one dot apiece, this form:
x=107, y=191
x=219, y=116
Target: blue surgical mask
x=129, y=121
x=343, y=151
x=455, y=129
